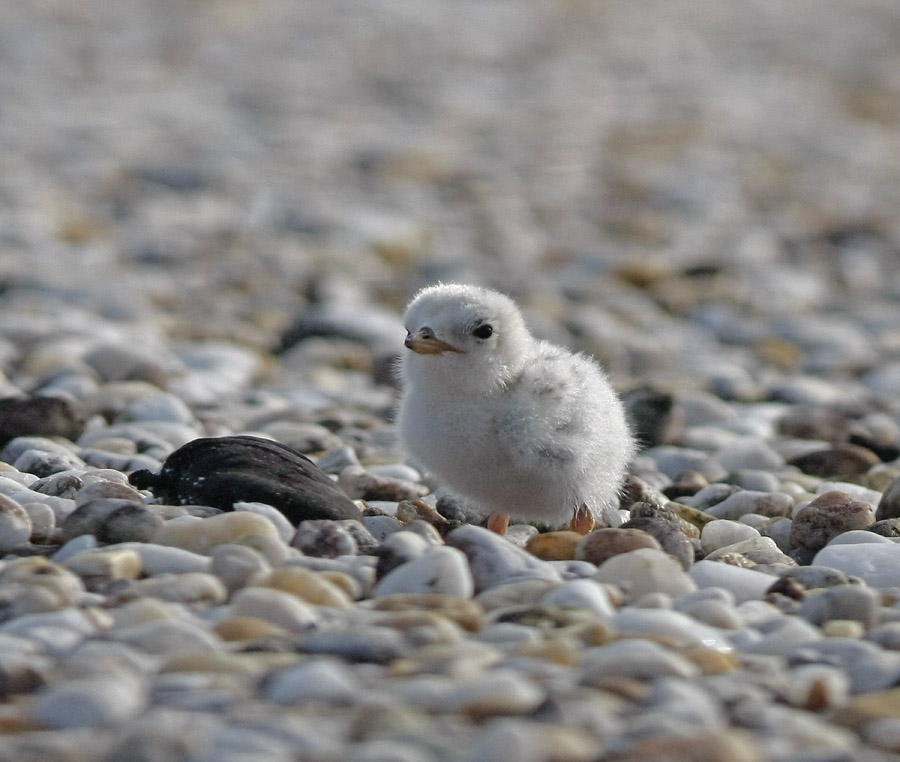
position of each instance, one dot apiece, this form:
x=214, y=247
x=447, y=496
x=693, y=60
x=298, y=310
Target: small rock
x=201, y=536
x=743, y=584
x=555, y=546
x=602, y=544
x=361, y=484
x=236, y=565
x=40, y=416
x=280, y=608
x=770, y=504
x=285, y=529
x=439, y=570
x=843, y=461
x=324, y=539
x=15, y=525
x=105, y=565
x=132, y=522
x=852, y=602
x=582, y=593
x=318, y=679
x=90, y=703
x=644, y=571
x=495, y=561
x=310, y=586
x=877, y=565
x=498, y=693
x=88, y=516
x=826, y=517
x=633, y=658
x=42, y=463
x=722, y=532
x=63, y=484
x=889, y=505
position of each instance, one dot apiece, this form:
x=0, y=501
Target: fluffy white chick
x=519, y=426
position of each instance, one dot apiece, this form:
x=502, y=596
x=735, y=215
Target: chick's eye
x=483, y=331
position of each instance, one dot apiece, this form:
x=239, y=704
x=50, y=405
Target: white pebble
x=315, y=680
x=743, y=584
x=643, y=571
x=274, y=606
x=634, y=658
x=90, y=703
x=877, y=564
x=721, y=532
x=286, y=530
x=582, y=593
x=441, y=570
x=672, y=624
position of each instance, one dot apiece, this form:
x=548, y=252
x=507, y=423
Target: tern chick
x=521, y=427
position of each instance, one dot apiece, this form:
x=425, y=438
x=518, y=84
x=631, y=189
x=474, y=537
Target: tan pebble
x=443, y=629
x=307, y=585
x=691, y=515
x=143, y=610
x=242, y=628
x=558, y=649
x=226, y=663
x=202, y=535
x=107, y=565
x=453, y=660
x=564, y=743
x=627, y=688
x=868, y=707
x=843, y=628
x=602, y=544
x=190, y=587
x=467, y=613
x=345, y=582
x=711, y=662
x=699, y=746
x=554, y=546
x=386, y=718
x=594, y=633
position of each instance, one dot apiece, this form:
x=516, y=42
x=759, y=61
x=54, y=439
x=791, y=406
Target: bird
x=518, y=426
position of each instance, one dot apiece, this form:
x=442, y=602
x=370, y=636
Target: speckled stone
x=325, y=539
x=438, y=570
x=826, y=517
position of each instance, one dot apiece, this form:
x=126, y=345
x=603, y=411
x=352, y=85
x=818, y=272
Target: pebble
x=280, y=608
x=15, y=525
x=89, y=703
x=319, y=679
x=643, y=571
x=632, y=658
x=325, y=539
x=554, y=546
x=201, y=536
x=826, y=517
x=889, y=505
x=602, y=544
x=878, y=565
x=722, y=532
x=772, y=504
x=582, y=593
x=438, y=570
x=494, y=561
x=743, y=584
x=285, y=529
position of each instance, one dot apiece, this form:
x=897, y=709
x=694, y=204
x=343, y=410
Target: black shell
x=221, y=471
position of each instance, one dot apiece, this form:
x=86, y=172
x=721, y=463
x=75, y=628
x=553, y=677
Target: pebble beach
x=211, y=218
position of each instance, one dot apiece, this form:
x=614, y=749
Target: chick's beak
x=424, y=342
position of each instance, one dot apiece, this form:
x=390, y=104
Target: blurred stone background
x=218, y=166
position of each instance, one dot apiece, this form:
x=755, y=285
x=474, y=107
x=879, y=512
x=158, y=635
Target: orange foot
x=498, y=522
x=583, y=520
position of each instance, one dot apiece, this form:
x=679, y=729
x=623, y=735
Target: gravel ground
x=211, y=216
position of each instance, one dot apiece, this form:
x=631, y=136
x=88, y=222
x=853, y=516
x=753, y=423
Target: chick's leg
x=582, y=521
x=498, y=522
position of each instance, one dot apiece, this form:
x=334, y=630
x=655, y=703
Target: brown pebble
x=603, y=544
x=554, y=546
x=830, y=514
x=844, y=461
x=861, y=710
x=699, y=746
x=242, y=628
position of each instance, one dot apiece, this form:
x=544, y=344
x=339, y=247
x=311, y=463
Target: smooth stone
x=382, y=527
x=876, y=564
x=757, y=481
x=759, y=550
x=602, y=544
x=63, y=484
x=643, y=571
x=826, y=517
x=860, y=536
x=399, y=548
x=554, y=546
x=161, y=559
x=859, y=711
x=715, y=613
x=75, y=545
x=582, y=593
x=161, y=406
x=439, y=570
x=367, y=644
x=318, y=679
x=889, y=505
x=494, y=561
x=722, y=532
x=674, y=461
x=201, y=536
x=89, y=703
x=336, y=460
x=310, y=586
x=89, y=515
x=132, y=522
x=717, y=745
x=842, y=461
x=743, y=584
x=238, y=629
x=851, y=602
x=42, y=463
x=106, y=489
x=40, y=417
x=167, y=637
x=15, y=525
x=280, y=608
x=43, y=521
x=673, y=534
x=671, y=625
x=784, y=635
x=749, y=453
x=304, y=437
x=236, y=565
x=632, y=658
x=286, y=530
x=515, y=740
x=747, y=501
x=105, y=564
x=200, y=588
x=856, y=491
x=498, y=693
x=710, y=495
